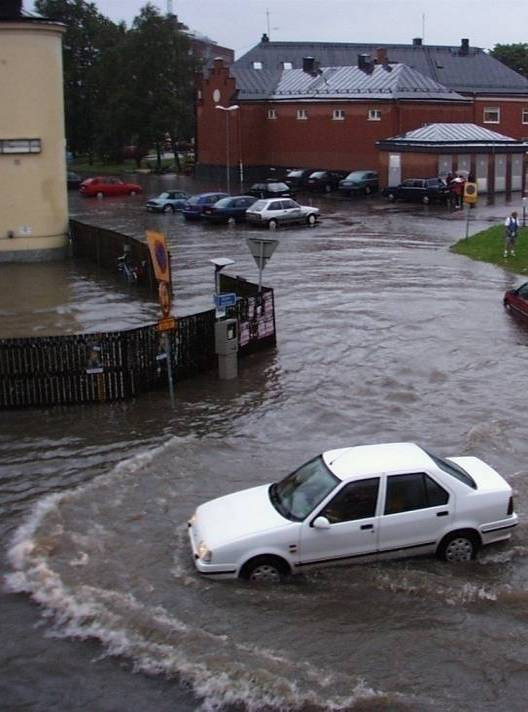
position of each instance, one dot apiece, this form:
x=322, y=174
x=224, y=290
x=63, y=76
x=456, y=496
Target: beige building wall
x=33, y=193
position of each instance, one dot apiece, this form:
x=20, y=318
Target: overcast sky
x=240, y=23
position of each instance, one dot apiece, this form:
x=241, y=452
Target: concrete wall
x=33, y=195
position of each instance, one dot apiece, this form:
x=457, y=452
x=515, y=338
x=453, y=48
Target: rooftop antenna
x=423, y=27
x=268, y=21
x=169, y=7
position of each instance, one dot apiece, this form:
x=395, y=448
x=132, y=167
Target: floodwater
x=383, y=335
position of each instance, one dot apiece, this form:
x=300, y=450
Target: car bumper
x=220, y=571
x=192, y=216
x=154, y=208
x=499, y=530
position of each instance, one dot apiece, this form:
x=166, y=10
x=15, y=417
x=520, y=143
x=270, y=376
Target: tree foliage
x=123, y=86
x=514, y=56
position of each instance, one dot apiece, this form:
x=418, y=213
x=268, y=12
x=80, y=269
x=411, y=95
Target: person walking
x=510, y=238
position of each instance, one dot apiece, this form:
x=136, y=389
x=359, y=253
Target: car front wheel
x=264, y=569
x=168, y=209
x=426, y=200
x=459, y=546
x=132, y=192
x=391, y=196
x=273, y=224
x=368, y=190
x=311, y=219
x=100, y=194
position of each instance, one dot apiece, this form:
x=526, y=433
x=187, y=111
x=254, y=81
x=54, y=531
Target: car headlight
x=192, y=520
x=204, y=553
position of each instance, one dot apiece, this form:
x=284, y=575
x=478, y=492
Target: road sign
x=470, y=192
x=164, y=298
x=221, y=301
x=262, y=249
x=157, y=243
x=168, y=324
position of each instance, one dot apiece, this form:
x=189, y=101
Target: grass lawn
x=104, y=169
x=488, y=246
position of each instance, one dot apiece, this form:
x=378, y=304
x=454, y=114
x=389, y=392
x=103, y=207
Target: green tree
x=158, y=87
x=88, y=38
x=514, y=56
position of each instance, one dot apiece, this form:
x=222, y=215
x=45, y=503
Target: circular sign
x=161, y=255
x=471, y=189
x=216, y=96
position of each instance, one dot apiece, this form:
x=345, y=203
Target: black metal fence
x=109, y=366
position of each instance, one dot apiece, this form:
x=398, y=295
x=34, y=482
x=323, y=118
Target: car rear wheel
x=264, y=569
x=328, y=188
x=459, y=546
x=368, y=190
x=311, y=219
x=426, y=200
x=132, y=192
x=231, y=221
x=273, y=224
x=167, y=208
x=391, y=196
x=100, y=194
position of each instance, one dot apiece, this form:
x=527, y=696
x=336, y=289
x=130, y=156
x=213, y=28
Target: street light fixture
x=227, y=110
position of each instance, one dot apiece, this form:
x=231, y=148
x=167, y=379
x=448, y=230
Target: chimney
x=10, y=9
x=381, y=55
x=464, y=46
x=417, y=42
x=364, y=63
x=309, y=65
x=264, y=38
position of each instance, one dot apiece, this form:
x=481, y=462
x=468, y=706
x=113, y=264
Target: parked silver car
x=169, y=201
x=274, y=212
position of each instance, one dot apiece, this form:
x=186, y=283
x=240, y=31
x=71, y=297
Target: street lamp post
x=227, y=109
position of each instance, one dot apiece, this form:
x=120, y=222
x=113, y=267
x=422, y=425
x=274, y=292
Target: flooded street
x=383, y=335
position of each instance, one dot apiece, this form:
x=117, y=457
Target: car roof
x=364, y=460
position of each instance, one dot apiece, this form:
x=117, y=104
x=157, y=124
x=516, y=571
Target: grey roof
x=383, y=82
x=456, y=135
x=475, y=71
x=454, y=132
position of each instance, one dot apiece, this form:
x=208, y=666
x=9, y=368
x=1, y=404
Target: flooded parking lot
x=383, y=335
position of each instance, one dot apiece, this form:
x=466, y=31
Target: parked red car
x=516, y=300
x=108, y=185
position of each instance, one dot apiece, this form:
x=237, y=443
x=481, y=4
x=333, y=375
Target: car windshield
x=453, y=469
x=276, y=187
x=163, y=196
x=355, y=175
x=295, y=174
x=224, y=203
x=317, y=174
x=195, y=200
x=259, y=205
x=297, y=494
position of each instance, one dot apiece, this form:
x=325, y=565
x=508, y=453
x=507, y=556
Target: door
x=482, y=173
x=291, y=211
x=516, y=171
x=500, y=172
x=394, y=169
x=417, y=512
x=352, y=530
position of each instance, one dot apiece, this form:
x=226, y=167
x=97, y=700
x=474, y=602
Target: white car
x=281, y=211
x=354, y=504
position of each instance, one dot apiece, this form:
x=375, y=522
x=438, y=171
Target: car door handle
x=442, y=514
x=367, y=526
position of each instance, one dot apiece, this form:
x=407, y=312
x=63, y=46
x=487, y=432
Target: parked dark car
x=516, y=300
x=73, y=180
x=270, y=189
x=365, y=182
x=325, y=180
x=423, y=190
x=296, y=178
x=195, y=206
x=229, y=210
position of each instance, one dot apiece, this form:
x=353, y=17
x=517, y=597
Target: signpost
x=222, y=301
x=470, y=198
x=160, y=257
x=262, y=248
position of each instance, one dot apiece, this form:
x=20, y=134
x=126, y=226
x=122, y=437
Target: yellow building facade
x=33, y=193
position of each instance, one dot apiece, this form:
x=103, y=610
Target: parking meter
x=226, y=346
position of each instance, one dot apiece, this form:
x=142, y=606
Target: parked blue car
x=195, y=206
x=229, y=210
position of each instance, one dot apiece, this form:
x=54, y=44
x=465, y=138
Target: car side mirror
x=321, y=523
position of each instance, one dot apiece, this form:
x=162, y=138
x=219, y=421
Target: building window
x=491, y=115
x=20, y=145
x=374, y=115
x=302, y=114
x=338, y=115
x=287, y=65
x=257, y=65
x=272, y=113
x=525, y=116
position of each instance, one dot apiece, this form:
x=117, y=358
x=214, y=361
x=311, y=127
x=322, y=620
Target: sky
x=239, y=24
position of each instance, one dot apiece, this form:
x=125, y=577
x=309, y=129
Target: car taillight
x=510, y=506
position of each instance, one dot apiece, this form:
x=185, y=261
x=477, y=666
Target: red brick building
x=325, y=105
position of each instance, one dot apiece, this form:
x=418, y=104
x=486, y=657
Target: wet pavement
x=383, y=334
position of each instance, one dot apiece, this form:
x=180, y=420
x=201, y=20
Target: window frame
x=374, y=114
x=491, y=109
x=338, y=115
x=524, y=115
x=272, y=114
x=425, y=493
x=338, y=494
x=302, y=115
